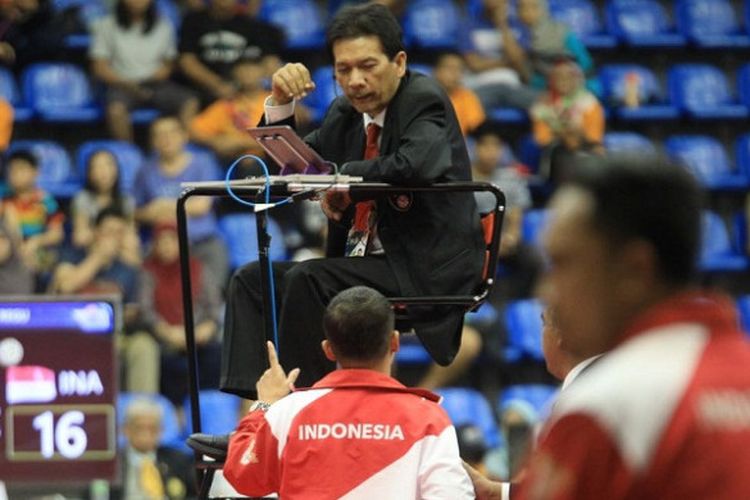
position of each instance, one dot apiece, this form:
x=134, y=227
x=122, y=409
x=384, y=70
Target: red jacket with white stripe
x=665, y=415
x=354, y=434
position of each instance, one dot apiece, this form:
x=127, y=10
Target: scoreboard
x=58, y=376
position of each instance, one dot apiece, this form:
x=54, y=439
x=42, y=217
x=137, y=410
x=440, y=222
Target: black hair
x=117, y=198
x=24, y=155
x=110, y=211
x=122, y=16
x=358, y=323
x=646, y=197
x=370, y=19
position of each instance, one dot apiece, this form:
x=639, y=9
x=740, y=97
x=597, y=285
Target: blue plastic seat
x=742, y=154
x=301, y=21
x=60, y=92
x=469, y=406
x=239, y=235
x=9, y=91
x=717, y=251
x=326, y=90
x=412, y=352
x=538, y=397
x=432, y=24
x=220, y=412
x=743, y=83
x=533, y=225
x=523, y=321
x=583, y=19
x=56, y=175
x=711, y=23
x=653, y=106
x=706, y=158
x=627, y=142
x=702, y=92
x=172, y=434
x=743, y=306
x=642, y=23
x=129, y=159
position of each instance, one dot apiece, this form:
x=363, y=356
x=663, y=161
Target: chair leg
x=206, y=481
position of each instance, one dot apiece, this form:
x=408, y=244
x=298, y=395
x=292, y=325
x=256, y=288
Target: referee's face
x=366, y=74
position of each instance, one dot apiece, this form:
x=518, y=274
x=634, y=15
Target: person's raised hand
x=334, y=203
x=274, y=384
x=291, y=81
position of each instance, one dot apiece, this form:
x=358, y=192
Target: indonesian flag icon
x=29, y=384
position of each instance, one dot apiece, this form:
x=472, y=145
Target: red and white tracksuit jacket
x=665, y=415
x=354, y=434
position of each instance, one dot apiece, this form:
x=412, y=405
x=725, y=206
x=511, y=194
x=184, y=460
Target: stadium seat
x=238, y=230
x=171, y=436
x=326, y=90
x=628, y=142
x=129, y=158
x=742, y=153
x=301, y=21
x=614, y=78
x=523, y=321
x=706, y=158
x=220, y=412
x=583, y=19
x=469, y=406
x=538, y=396
x=56, y=175
x=412, y=352
x=717, y=252
x=743, y=305
x=739, y=232
x=9, y=91
x=431, y=24
x=743, y=83
x=532, y=226
x=702, y=92
x=642, y=23
x=88, y=12
x=60, y=92
x=711, y=23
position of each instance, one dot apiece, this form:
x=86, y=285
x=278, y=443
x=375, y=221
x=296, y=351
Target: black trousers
x=303, y=290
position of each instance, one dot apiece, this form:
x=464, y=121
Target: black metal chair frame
x=206, y=468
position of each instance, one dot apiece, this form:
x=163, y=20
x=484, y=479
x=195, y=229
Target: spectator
x=448, y=71
x=668, y=397
x=472, y=446
x=32, y=32
x=212, y=40
x=15, y=277
x=567, y=120
x=161, y=311
x=37, y=214
x=150, y=471
x=133, y=53
x=223, y=125
x=406, y=440
x=490, y=75
x=102, y=190
x=158, y=185
x=6, y=124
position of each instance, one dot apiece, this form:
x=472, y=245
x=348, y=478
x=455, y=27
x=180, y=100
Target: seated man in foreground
x=356, y=432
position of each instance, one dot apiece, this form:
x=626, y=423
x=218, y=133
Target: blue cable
x=271, y=284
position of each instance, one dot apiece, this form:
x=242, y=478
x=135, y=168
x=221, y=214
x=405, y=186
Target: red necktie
x=359, y=233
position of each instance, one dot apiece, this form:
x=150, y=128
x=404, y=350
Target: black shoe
x=215, y=446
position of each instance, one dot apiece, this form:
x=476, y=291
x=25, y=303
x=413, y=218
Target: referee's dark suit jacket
x=432, y=241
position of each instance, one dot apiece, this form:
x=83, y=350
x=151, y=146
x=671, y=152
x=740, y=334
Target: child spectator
x=133, y=52
x=37, y=214
x=15, y=277
x=161, y=310
x=567, y=119
x=213, y=39
x=151, y=471
x=449, y=70
x=223, y=125
x=158, y=185
x=102, y=190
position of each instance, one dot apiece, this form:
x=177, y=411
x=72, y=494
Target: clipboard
x=290, y=152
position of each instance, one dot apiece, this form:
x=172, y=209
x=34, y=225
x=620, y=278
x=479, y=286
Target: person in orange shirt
x=566, y=120
x=448, y=72
x=6, y=124
x=223, y=125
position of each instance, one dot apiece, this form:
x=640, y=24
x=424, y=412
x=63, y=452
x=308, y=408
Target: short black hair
x=109, y=211
x=646, y=197
x=370, y=19
x=358, y=323
x=24, y=155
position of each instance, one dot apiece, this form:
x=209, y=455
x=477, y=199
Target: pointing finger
x=273, y=360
